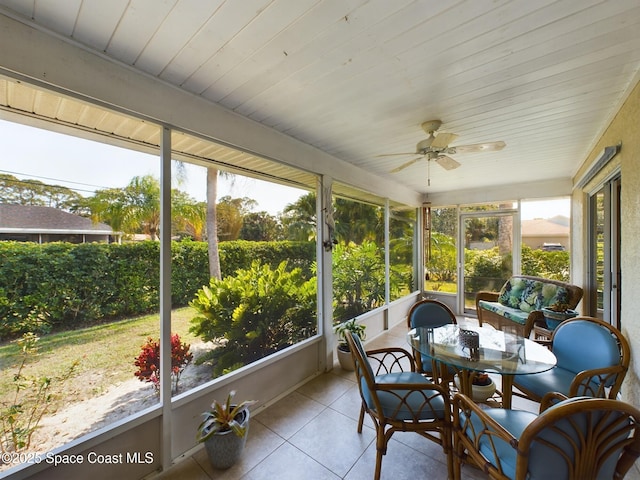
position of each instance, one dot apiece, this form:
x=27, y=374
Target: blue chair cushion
x=583, y=345
x=429, y=315
x=391, y=402
x=514, y=421
x=546, y=463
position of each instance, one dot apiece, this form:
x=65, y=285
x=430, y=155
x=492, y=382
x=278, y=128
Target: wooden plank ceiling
x=356, y=78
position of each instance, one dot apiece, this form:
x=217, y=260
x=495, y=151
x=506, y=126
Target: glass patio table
x=499, y=352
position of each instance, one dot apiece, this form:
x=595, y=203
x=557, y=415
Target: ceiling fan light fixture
x=438, y=148
x=423, y=146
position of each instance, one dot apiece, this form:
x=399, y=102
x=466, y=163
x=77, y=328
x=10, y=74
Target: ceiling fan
x=437, y=148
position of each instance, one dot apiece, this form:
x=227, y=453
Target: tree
x=231, y=212
x=299, y=218
x=260, y=227
x=143, y=194
x=212, y=223
x=358, y=222
x=132, y=209
x=358, y=279
x=189, y=216
x=34, y=192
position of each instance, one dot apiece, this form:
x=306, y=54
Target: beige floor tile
x=290, y=414
x=289, y=463
x=332, y=439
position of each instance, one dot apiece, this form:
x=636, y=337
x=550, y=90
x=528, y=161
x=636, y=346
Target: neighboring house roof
x=36, y=219
x=545, y=227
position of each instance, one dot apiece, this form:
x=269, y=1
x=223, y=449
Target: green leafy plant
x=358, y=279
x=21, y=416
x=61, y=286
x=345, y=328
x=559, y=307
x=255, y=313
x=148, y=361
x=223, y=417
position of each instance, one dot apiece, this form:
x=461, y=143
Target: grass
x=445, y=287
x=105, y=353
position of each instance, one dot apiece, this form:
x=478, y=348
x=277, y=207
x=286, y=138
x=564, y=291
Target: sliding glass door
x=604, y=253
x=487, y=257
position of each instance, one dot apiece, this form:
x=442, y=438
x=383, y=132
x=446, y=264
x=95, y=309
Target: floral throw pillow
x=552, y=295
x=521, y=293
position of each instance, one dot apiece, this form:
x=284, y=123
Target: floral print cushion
x=553, y=294
x=527, y=295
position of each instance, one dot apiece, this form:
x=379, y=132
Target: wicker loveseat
x=517, y=306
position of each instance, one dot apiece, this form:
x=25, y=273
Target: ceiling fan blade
x=405, y=165
x=442, y=140
x=480, y=147
x=446, y=162
x=395, y=154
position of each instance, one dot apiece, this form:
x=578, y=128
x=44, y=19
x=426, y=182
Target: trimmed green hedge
x=63, y=285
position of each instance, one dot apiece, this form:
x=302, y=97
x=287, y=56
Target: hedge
x=63, y=285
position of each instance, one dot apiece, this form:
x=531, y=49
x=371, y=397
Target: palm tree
x=299, y=218
x=189, y=216
x=212, y=223
x=144, y=204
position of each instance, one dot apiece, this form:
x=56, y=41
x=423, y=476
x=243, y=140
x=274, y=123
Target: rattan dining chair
x=397, y=398
x=593, y=359
x=577, y=438
x=429, y=313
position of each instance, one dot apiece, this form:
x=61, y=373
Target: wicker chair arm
x=536, y=317
x=487, y=296
x=488, y=433
x=392, y=359
x=484, y=295
x=544, y=343
x=582, y=382
x=550, y=399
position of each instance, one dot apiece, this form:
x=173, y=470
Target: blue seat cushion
x=514, y=314
x=392, y=404
x=555, y=380
x=514, y=421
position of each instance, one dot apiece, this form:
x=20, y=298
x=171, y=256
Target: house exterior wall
x=623, y=129
x=537, y=241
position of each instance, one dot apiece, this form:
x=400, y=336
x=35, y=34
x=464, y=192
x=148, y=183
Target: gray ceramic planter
x=224, y=448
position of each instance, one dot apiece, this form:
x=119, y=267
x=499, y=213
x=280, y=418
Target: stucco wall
x=624, y=129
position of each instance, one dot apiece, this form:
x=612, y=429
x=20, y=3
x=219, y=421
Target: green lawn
x=105, y=353
x=445, y=287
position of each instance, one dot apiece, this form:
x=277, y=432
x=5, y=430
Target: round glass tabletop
x=498, y=352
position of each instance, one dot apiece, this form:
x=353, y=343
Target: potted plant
x=343, y=329
x=556, y=313
x=224, y=431
x=482, y=387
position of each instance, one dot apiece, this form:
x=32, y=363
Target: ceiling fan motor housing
x=431, y=126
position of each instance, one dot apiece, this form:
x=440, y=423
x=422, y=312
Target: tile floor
x=312, y=434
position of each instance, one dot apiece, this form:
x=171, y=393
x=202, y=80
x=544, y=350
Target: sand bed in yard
x=118, y=402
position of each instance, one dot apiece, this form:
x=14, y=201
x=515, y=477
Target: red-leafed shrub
x=148, y=362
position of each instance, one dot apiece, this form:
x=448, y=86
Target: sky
x=86, y=166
